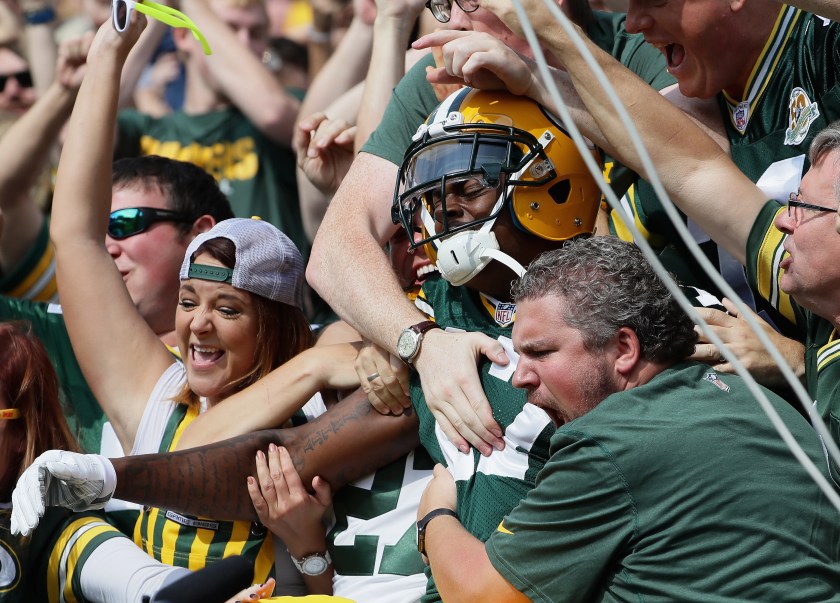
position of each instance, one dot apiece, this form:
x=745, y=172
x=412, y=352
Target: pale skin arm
x=241, y=76
x=392, y=28
x=138, y=58
x=345, y=69
x=273, y=400
x=41, y=49
x=824, y=8
x=453, y=552
x=96, y=304
x=369, y=297
x=25, y=151
x=324, y=149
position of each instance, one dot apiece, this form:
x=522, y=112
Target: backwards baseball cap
x=267, y=262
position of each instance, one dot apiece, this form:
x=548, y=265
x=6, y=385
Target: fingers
x=403, y=375
x=322, y=489
x=462, y=425
x=325, y=135
x=731, y=308
x=453, y=435
x=254, y=592
x=439, y=38
x=268, y=488
x=257, y=499
x=280, y=458
x=707, y=353
x=383, y=378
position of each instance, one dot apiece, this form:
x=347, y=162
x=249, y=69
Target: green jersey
x=47, y=566
x=822, y=348
x=676, y=490
x=82, y=411
x=34, y=277
x=791, y=95
x=373, y=541
x=193, y=542
x=488, y=487
x=256, y=174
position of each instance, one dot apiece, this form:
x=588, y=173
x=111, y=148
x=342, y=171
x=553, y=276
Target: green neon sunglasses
x=121, y=15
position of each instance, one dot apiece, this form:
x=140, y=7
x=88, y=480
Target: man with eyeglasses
x=159, y=205
x=359, y=218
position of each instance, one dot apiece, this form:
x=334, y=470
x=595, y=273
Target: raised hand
x=72, y=61
x=324, y=150
x=481, y=61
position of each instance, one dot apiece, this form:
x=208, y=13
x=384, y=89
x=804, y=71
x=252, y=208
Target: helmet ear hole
x=559, y=191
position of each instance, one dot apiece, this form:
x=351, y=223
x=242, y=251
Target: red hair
x=28, y=383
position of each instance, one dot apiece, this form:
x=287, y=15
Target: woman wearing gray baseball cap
x=239, y=327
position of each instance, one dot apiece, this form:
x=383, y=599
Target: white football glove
x=61, y=479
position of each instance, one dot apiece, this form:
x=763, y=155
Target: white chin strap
x=465, y=254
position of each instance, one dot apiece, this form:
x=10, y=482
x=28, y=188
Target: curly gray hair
x=607, y=284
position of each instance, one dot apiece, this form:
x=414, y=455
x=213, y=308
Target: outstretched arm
x=342, y=445
x=676, y=145
x=272, y=400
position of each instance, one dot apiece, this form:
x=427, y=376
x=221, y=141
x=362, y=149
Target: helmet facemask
x=509, y=144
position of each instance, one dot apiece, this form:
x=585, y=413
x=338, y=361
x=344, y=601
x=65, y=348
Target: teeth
x=203, y=350
x=427, y=269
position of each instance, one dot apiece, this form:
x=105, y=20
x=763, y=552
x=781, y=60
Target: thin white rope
x=660, y=270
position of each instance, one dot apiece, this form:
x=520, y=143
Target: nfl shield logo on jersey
x=741, y=116
x=505, y=314
x=802, y=114
x=715, y=380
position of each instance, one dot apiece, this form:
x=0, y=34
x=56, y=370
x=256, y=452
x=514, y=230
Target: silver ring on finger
x=372, y=376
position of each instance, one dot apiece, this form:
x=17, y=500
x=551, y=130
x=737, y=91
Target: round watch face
x=407, y=344
x=314, y=565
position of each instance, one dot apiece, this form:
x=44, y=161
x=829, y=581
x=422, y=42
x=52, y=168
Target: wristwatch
x=313, y=564
x=408, y=344
x=421, y=526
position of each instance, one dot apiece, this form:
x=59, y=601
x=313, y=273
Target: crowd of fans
x=328, y=286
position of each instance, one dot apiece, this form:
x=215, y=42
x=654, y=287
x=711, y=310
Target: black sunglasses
x=130, y=221
x=442, y=9
x=23, y=78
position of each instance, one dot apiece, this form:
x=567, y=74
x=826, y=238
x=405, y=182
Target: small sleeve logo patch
x=715, y=380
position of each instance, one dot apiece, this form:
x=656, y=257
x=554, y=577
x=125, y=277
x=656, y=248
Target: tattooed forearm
x=345, y=444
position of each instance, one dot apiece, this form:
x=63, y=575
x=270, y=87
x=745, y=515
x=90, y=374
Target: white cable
x=753, y=387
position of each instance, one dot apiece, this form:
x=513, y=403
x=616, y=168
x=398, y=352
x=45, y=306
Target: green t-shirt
x=822, y=348
x=257, y=174
x=677, y=490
